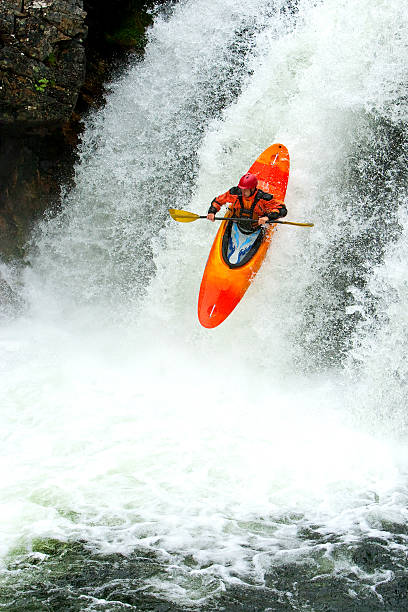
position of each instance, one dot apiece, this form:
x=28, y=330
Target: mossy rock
x=130, y=33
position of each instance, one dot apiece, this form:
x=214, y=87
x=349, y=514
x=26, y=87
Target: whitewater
x=147, y=461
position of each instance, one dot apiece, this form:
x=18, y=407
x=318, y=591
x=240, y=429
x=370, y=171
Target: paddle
x=183, y=216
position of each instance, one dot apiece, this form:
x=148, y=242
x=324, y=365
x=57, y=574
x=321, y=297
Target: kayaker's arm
x=212, y=210
x=276, y=213
x=271, y=207
x=221, y=200
x=224, y=198
x=272, y=215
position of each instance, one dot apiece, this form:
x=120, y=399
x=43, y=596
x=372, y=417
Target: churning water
x=150, y=464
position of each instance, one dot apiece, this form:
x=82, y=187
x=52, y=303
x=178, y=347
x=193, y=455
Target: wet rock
x=62, y=575
x=395, y=593
x=9, y=301
x=372, y=556
x=42, y=68
x=31, y=168
x=51, y=72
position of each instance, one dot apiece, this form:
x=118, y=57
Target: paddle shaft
x=242, y=219
x=183, y=216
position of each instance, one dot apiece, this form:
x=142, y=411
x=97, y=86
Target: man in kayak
x=248, y=202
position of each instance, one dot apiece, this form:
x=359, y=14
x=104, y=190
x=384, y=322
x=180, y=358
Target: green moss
x=130, y=33
x=51, y=59
x=49, y=546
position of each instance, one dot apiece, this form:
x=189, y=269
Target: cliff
x=54, y=57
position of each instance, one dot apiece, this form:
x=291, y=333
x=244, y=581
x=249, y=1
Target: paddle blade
x=183, y=216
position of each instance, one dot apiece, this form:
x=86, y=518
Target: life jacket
x=248, y=213
x=243, y=211
x=267, y=204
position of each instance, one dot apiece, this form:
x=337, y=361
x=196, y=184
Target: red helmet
x=248, y=181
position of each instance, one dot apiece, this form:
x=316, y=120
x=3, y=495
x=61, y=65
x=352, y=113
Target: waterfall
x=222, y=461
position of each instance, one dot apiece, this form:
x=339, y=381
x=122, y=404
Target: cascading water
x=260, y=465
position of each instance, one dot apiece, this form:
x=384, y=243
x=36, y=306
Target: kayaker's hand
x=210, y=216
x=263, y=220
x=274, y=214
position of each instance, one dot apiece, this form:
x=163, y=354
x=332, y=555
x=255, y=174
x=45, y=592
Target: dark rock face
x=51, y=72
x=42, y=62
x=42, y=68
x=31, y=167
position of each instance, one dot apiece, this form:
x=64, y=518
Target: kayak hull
x=223, y=285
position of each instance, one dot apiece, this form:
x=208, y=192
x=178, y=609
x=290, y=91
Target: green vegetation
x=51, y=59
x=41, y=85
x=130, y=32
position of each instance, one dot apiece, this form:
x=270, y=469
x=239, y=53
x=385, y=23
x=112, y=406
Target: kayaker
x=249, y=202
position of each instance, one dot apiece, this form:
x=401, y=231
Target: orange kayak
x=236, y=257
